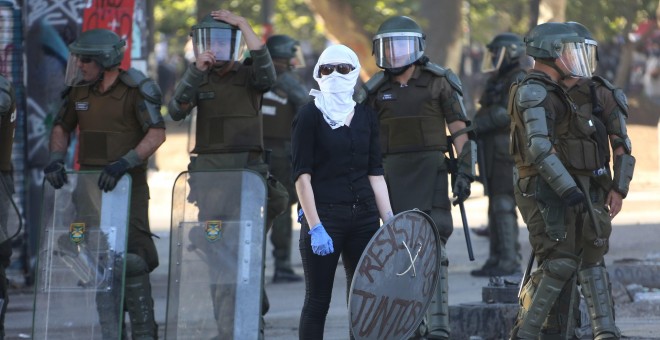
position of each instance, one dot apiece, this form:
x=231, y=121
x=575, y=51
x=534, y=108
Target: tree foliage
x=304, y=19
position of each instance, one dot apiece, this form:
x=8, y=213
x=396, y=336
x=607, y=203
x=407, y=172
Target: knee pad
x=561, y=268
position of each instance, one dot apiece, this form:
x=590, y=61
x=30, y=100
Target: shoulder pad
x=604, y=81
x=451, y=77
x=132, y=77
x=617, y=93
x=435, y=69
x=530, y=95
x=148, y=87
x=374, y=82
x=621, y=100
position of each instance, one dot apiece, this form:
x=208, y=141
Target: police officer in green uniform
x=118, y=116
x=492, y=128
x=279, y=106
x=416, y=101
x=228, y=96
x=556, y=154
x=7, y=127
x=608, y=108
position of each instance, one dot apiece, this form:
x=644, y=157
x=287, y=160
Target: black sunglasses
x=327, y=69
x=85, y=60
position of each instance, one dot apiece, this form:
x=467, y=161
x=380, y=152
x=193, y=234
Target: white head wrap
x=335, y=99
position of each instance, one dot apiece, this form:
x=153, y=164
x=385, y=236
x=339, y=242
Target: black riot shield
x=81, y=260
x=216, y=255
x=395, y=279
x=10, y=219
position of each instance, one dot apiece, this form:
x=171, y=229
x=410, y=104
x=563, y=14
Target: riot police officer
x=608, y=108
x=416, y=101
x=555, y=155
x=228, y=95
x=491, y=121
x=279, y=107
x=111, y=106
x=7, y=127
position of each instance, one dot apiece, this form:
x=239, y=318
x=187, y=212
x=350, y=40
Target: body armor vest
x=411, y=117
x=228, y=113
x=7, y=128
x=108, y=123
x=571, y=135
x=496, y=93
x=585, y=96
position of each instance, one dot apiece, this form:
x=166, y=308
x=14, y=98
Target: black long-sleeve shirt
x=340, y=160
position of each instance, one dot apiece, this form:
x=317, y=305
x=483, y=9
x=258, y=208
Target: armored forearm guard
x=624, y=166
x=467, y=159
x=556, y=175
x=185, y=92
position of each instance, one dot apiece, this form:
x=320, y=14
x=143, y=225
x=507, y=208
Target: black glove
x=56, y=174
x=461, y=188
x=573, y=196
x=112, y=173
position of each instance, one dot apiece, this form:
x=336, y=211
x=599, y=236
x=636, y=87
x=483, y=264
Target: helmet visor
x=225, y=44
x=394, y=50
x=592, y=54
x=492, y=59
x=81, y=70
x=573, y=56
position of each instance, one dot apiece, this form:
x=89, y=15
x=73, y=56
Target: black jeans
x=351, y=228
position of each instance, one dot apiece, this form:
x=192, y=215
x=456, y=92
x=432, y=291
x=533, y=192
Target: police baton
x=527, y=273
x=453, y=168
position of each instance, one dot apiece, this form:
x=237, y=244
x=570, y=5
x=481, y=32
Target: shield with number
x=216, y=255
x=10, y=218
x=81, y=260
x=395, y=278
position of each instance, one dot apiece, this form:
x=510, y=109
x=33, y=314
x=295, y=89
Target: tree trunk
x=444, y=31
x=342, y=27
x=533, y=13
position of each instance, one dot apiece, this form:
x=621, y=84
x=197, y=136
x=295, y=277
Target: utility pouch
x=552, y=209
x=579, y=154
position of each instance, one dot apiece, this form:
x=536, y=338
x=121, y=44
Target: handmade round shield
x=395, y=279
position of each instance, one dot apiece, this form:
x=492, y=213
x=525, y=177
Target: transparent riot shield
x=10, y=218
x=216, y=255
x=395, y=278
x=81, y=260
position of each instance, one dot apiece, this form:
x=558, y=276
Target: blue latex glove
x=321, y=241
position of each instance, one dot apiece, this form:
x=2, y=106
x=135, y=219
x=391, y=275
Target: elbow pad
x=536, y=127
x=185, y=91
x=624, y=166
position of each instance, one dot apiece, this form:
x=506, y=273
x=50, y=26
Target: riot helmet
x=93, y=52
x=398, y=43
x=590, y=43
x=556, y=44
x=282, y=46
x=504, y=50
x=225, y=41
